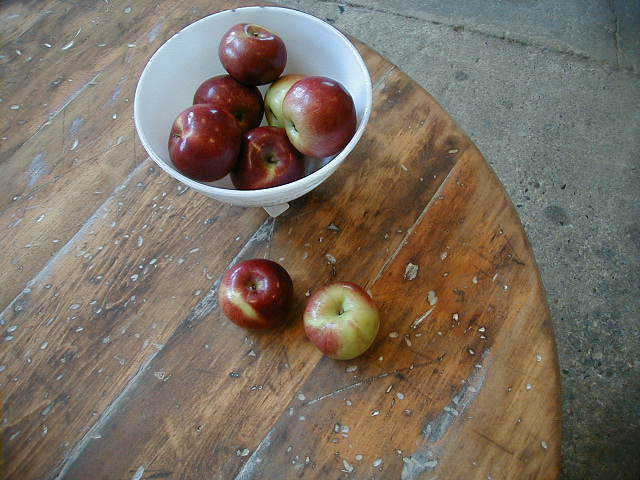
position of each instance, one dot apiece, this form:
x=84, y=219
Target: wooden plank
x=57, y=160
x=93, y=319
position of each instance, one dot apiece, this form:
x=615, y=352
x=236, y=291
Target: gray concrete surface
x=550, y=93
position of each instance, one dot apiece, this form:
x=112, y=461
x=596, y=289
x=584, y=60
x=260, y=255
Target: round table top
x=117, y=361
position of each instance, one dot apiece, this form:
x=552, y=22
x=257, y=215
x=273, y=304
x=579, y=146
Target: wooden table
x=116, y=362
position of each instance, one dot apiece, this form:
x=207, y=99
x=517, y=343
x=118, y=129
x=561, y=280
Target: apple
x=242, y=101
x=252, y=54
x=341, y=320
x=204, y=143
x=274, y=97
x=267, y=159
x=319, y=116
x=256, y=294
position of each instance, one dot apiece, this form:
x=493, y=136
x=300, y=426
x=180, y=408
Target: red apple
x=341, y=320
x=252, y=54
x=267, y=160
x=255, y=294
x=274, y=97
x=204, y=143
x=241, y=101
x=319, y=116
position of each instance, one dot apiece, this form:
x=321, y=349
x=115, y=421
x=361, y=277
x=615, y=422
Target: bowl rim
x=315, y=177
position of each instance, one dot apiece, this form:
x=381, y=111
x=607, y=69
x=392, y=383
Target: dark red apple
x=256, y=294
x=267, y=160
x=242, y=101
x=319, y=116
x=252, y=54
x=204, y=143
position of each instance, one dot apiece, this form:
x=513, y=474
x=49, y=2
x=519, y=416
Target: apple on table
x=256, y=294
x=342, y=320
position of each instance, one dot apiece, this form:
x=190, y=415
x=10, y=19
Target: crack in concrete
x=616, y=32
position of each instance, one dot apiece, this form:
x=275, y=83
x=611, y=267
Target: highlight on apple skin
x=319, y=116
x=242, y=101
x=252, y=54
x=274, y=97
x=267, y=159
x=204, y=142
x=341, y=320
x=256, y=294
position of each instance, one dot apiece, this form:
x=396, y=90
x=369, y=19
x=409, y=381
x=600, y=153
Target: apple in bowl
x=256, y=294
x=274, y=97
x=342, y=320
x=267, y=160
x=252, y=54
x=242, y=101
x=319, y=116
x=204, y=142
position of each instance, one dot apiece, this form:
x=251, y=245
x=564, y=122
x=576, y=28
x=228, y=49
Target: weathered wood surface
x=116, y=361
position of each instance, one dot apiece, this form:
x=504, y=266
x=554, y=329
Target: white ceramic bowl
x=171, y=76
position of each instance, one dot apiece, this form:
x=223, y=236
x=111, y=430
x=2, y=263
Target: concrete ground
x=550, y=92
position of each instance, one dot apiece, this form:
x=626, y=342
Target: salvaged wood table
x=116, y=361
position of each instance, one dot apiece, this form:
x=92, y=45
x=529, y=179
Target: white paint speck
x=134, y=277
x=375, y=413
x=67, y=46
x=529, y=386
x=140, y=241
x=352, y=368
x=44, y=345
x=432, y=298
x=393, y=335
x=411, y=271
x=455, y=317
x=48, y=45
x=443, y=255
x=347, y=466
x=330, y=258
x=14, y=107
x=301, y=397
x=538, y=357
x=75, y=306
x=474, y=279
x=400, y=395
x=377, y=462
x=544, y=445
x=79, y=329
x=127, y=10
x=359, y=457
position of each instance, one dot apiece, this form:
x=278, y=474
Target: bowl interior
x=175, y=71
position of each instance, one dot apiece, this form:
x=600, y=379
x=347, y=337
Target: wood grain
x=118, y=363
